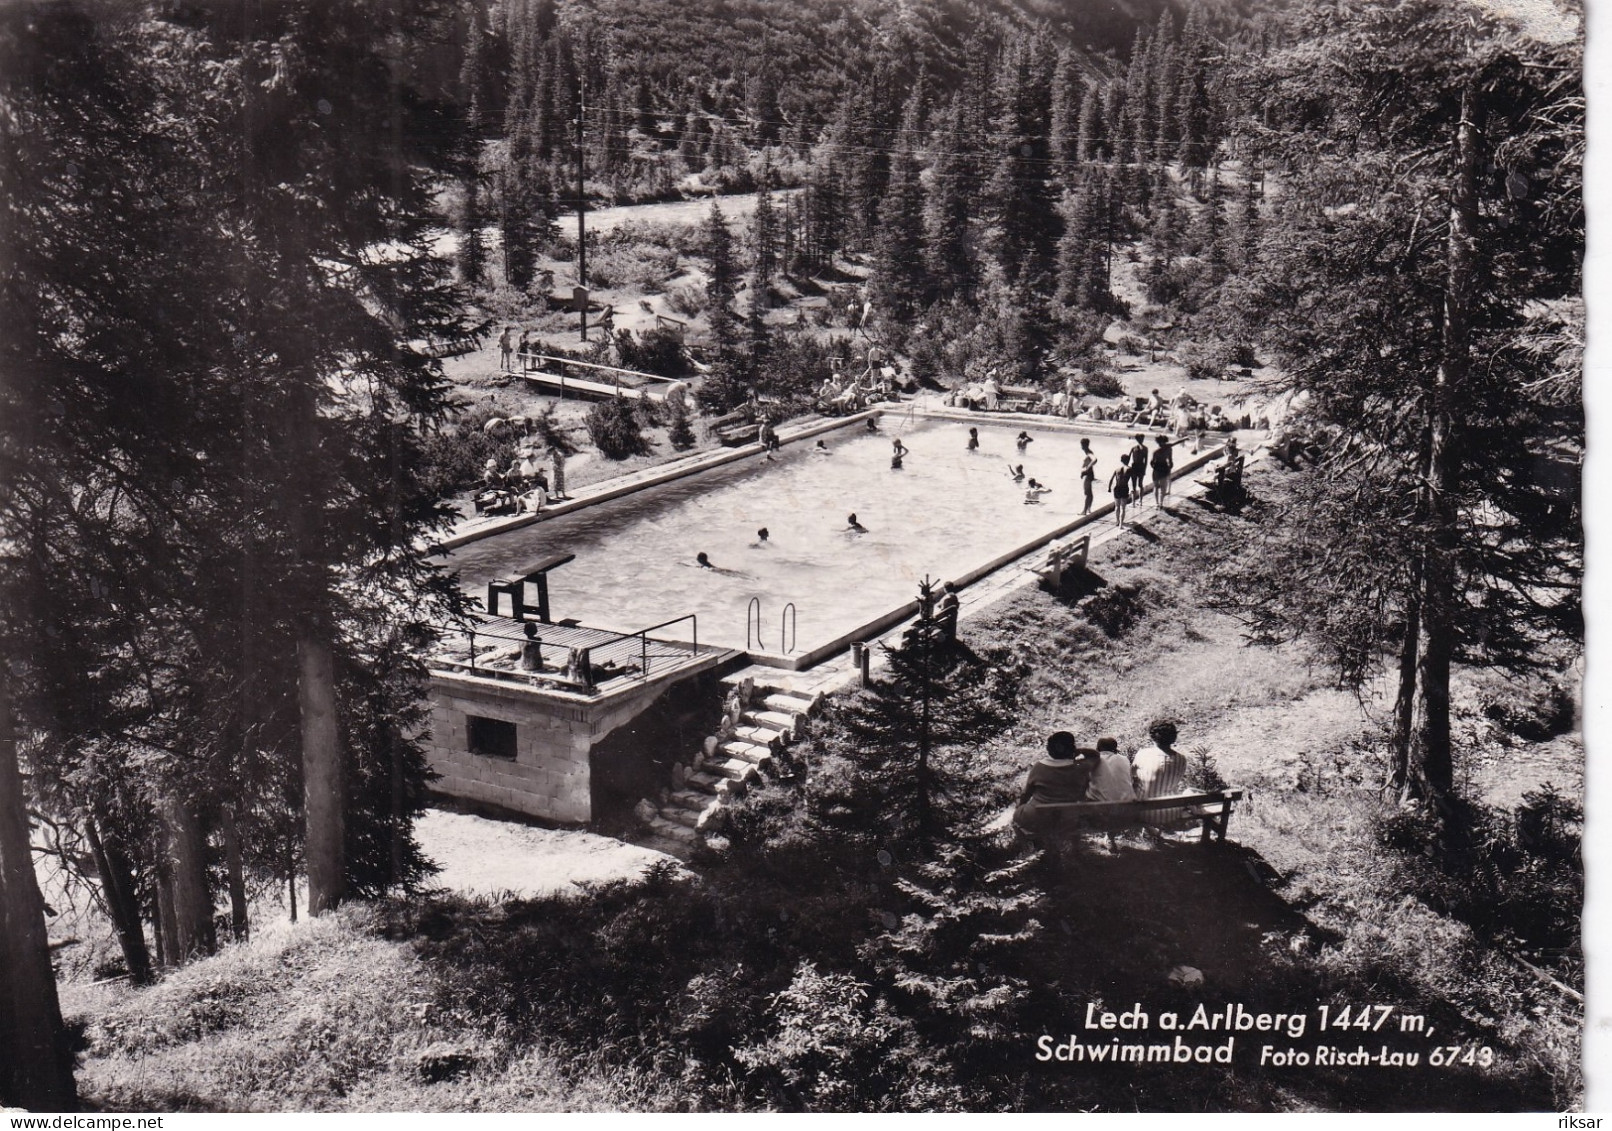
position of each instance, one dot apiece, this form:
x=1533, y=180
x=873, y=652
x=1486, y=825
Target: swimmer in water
x=820, y=448
x=973, y=439
x=1022, y=441
x=854, y=526
x=761, y=539
x=873, y=424
x=1016, y=472
x=898, y=452
x=1033, y=492
x=702, y=561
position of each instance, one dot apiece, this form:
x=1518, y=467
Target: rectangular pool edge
x=653, y=479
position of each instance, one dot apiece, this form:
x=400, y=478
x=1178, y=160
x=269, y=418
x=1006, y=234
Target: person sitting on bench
x=1113, y=780
x=1063, y=776
x=1160, y=770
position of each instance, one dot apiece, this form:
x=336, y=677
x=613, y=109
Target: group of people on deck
x=1072, y=775
x=522, y=487
x=1129, y=480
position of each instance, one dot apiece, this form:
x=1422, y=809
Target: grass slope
x=797, y=974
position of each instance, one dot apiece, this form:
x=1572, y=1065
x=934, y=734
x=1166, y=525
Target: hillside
x=668, y=994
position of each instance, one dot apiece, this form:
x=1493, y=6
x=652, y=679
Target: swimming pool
x=945, y=512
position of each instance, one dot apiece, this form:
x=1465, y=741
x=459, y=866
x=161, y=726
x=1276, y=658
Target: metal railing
x=611, y=655
x=753, y=622
x=787, y=621
x=643, y=639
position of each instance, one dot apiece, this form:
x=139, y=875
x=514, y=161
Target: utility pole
x=582, y=207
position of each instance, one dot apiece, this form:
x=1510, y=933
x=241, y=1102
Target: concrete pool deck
x=858, y=619
x=839, y=671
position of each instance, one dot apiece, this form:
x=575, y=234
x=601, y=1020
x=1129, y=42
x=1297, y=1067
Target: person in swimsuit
x=898, y=452
x=1023, y=441
x=761, y=538
x=873, y=424
x=702, y=561
x=973, y=439
x=1138, y=468
x=1016, y=472
x=820, y=449
x=1088, y=472
x=1120, y=484
x=1033, y=492
x=854, y=526
x=1163, y=462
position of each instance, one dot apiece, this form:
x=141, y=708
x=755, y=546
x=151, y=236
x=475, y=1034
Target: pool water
x=946, y=511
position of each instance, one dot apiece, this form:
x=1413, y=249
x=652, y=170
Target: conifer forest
x=285, y=285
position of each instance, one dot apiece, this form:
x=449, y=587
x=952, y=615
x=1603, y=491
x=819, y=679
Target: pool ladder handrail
x=787, y=617
x=753, y=621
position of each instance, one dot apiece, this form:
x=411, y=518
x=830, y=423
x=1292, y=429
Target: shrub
x=658, y=351
x=678, y=431
x=644, y=268
x=1207, y=359
x=1513, y=876
x=688, y=300
x=453, y=461
x=614, y=428
x=1102, y=383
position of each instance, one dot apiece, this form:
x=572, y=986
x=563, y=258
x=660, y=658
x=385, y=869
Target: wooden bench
x=1213, y=810
x=1063, y=559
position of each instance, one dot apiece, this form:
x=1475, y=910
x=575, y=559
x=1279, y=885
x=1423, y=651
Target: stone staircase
x=757, y=724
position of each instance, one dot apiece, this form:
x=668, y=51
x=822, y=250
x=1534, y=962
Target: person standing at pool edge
x=1139, y=469
x=1120, y=484
x=1088, y=472
x=1163, y=464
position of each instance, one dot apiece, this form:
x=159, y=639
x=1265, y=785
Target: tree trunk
x=168, y=951
x=117, y=886
x=36, y=1069
x=190, y=899
x=1405, y=700
x=1431, y=761
x=321, y=775
x=239, y=924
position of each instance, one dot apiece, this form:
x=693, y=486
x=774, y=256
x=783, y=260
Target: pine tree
x=1068, y=86
x=1248, y=223
x=898, y=765
x=1021, y=201
x=723, y=282
x=763, y=241
x=897, y=286
x=1091, y=142
x=761, y=106
x=947, y=211
x=1166, y=82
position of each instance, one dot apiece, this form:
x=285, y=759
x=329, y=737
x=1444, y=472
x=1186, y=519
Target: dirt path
x=485, y=857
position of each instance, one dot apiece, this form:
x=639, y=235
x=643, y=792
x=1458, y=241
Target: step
x=694, y=799
x=737, y=770
x=790, y=724
x=707, y=783
x=791, y=702
x=678, y=815
x=746, y=752
x=761, y=735
x=671, y=830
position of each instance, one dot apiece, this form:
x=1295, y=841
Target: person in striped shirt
x=1161, y=771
